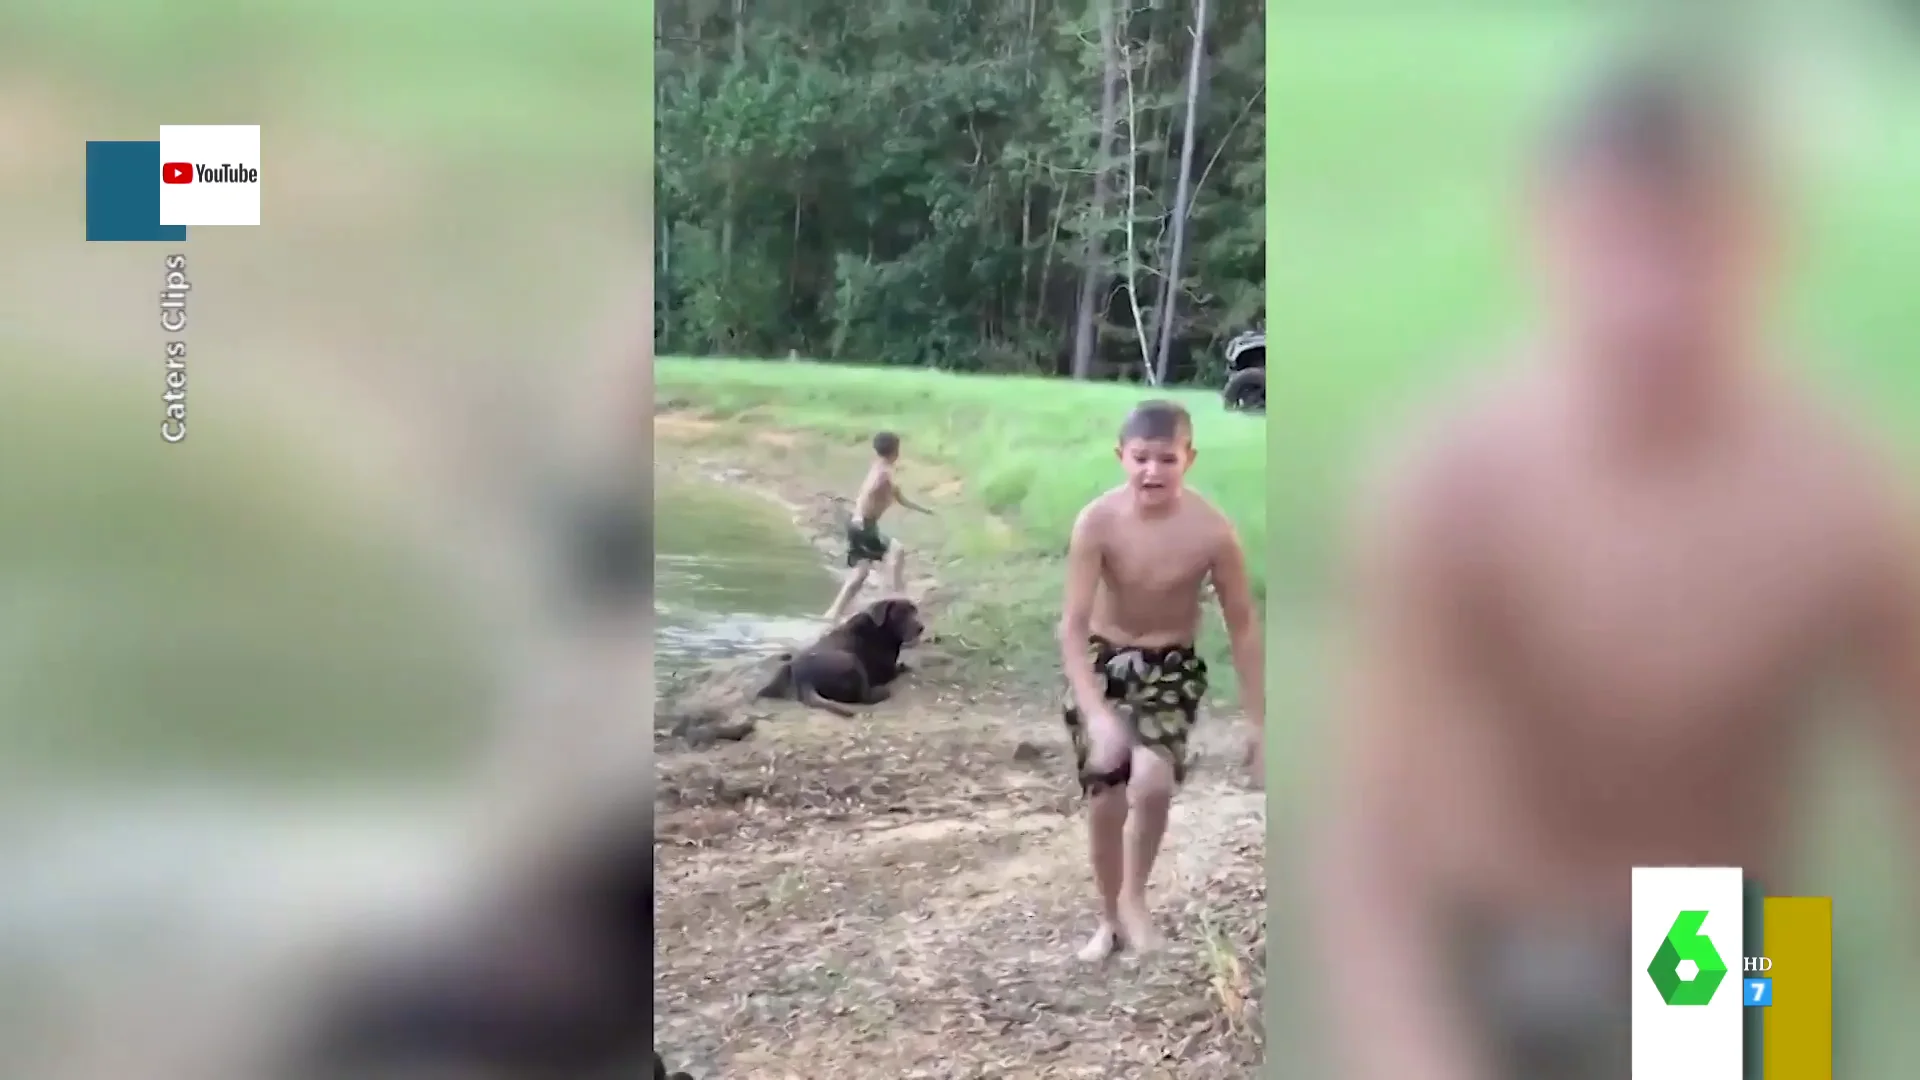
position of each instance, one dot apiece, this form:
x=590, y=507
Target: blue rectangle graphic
x=1757, y=993
x=123, y=193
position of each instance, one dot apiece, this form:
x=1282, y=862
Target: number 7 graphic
x=1759, y=993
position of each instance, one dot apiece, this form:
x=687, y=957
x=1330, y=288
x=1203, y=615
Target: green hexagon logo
x=1685, y=942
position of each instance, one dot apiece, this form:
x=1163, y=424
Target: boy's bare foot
x=1102, y=945
x=1136, y=926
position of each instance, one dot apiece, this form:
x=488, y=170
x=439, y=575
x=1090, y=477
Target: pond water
x=224, y=703
x=732, y=576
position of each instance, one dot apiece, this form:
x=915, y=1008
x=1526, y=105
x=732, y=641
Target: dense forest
x=1059, y=186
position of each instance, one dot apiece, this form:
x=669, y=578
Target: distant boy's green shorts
x=865, y=543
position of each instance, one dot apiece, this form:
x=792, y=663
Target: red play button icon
x=176, y=172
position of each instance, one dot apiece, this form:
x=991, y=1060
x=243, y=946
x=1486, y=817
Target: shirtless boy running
x=1137, y=568
x=865, y=543
x=1595, y=605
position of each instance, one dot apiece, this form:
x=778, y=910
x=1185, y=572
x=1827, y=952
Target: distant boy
x=1137, y=569
x=865, y=543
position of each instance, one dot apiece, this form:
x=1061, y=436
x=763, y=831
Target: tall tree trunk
x=1133, y=203
x=1041, y=292
x=1022, y=315
x=1093, y=275
x=733, y=166
x=663, y=233
x=1182, y=197
x=793, y=260
x=663, y=281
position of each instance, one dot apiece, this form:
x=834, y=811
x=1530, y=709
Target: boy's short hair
x=886, y=444
x=1157, y=420
x=1680, y=123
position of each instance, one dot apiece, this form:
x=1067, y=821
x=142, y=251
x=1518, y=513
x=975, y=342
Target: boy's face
x=1649, y=279
x=1156, y=468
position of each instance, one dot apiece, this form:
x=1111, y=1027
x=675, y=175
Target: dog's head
x=896, y=620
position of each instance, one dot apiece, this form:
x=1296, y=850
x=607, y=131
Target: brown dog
x=853, y=663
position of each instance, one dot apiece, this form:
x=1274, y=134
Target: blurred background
x=1394, y=181
x=249, y=676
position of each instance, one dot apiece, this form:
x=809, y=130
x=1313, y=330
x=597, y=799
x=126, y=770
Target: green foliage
x=913, y=183
x=1029, y=453
x=544, y=97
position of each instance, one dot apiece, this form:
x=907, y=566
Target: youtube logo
x=209, y=174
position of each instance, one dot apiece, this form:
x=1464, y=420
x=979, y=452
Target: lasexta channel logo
x=1686, y=945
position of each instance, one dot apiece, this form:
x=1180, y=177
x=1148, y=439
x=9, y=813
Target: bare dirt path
x=900, y=895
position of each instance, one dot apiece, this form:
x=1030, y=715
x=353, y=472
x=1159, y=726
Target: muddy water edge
x=732, y=576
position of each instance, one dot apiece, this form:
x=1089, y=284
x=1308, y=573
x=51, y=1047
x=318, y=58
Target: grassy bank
x=1009, y=462
x=477, y=81
x=184, y=611
x=243, y=604
x=233, y=607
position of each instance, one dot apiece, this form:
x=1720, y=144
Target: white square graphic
x=1689, y=1042
x=224, y=161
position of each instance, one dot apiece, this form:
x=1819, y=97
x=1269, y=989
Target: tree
x=1183, y=195
x=1091, y=277
x=937, y=184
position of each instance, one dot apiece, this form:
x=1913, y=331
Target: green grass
x=1393, y=207
x=225, y=613
x=1029, y=452
x=202, y=611
x=563, y=92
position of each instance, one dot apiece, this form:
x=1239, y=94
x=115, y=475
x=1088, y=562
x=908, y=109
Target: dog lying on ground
x=853, y=663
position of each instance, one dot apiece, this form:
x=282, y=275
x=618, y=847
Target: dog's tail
x=808, y=696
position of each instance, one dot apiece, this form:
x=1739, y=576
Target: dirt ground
x=900, y=895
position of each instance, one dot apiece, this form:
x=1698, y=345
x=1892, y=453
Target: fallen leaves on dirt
x=898, y=896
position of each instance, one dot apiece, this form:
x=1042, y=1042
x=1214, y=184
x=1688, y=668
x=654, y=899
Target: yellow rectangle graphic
x=1798, y=937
